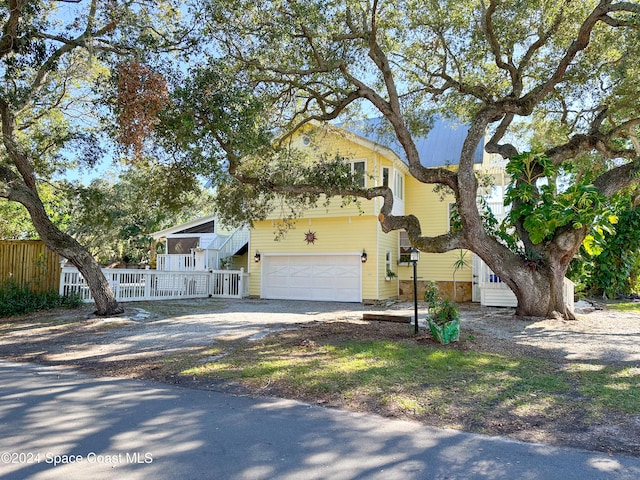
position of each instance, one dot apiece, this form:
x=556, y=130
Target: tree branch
x=614, y=180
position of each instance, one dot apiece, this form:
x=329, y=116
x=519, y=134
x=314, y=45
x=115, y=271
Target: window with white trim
x=404, y=248
x=385, y=176
x=398, y=185
x=388, y=262
x=359, y=170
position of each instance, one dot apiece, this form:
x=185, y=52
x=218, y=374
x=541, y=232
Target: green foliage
x=609, y=262
x=114, y=219
x=542, y=207
x=15, y=222
x=227, y=137
x=443, y=312
x=17, y=300
x=431, y=293
x=443, y=318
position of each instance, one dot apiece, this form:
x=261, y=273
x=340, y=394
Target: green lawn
x=625, y=306
x=406, y=378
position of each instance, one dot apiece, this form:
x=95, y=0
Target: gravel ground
x=136, y=343
x=147, y=328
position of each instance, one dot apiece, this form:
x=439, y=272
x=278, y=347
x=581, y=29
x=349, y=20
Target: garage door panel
x=322, y=277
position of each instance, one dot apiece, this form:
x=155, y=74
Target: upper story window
x=385, y=176
x=398, y=181
x=358, y=170
x=398, y=187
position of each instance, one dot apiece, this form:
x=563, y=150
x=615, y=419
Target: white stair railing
x=232, y=243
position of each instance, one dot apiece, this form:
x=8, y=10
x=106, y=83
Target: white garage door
x=301, y=277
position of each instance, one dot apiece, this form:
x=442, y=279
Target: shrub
x=443, y=318
x=16, y=299
x=443, y=312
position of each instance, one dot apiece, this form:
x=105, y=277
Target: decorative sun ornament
x=310, y=237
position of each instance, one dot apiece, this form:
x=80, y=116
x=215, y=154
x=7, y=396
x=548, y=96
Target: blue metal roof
x=440, y=147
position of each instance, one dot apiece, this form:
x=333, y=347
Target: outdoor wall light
x=363, y=257
x=257, y=256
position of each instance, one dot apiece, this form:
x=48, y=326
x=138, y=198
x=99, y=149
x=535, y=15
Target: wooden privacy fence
x=29, y=262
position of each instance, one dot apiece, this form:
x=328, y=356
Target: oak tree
x=568, y=68
x=52, y=54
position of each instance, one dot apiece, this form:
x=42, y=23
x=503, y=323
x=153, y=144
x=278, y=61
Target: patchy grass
x=624, y=306
x=455, y=386
x=406, y=377
x=185, y=361
x=608, y=387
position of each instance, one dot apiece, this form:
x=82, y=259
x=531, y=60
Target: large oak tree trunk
x=21, y=187
x=539, y=289
x=540, y=294
x=68, y=247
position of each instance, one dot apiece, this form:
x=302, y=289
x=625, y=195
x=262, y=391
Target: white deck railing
x=176, y=262
x=226, y=246
x=137, y=285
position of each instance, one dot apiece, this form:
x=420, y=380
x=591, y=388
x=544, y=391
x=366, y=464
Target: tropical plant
x=460, y=263
x=608, y=263
x=443, y=317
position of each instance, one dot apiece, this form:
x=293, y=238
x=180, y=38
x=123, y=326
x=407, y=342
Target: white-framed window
x=398, y=185
x=404, y=248
x=388, y=264
x=385, y=176
x=395, y=180
x=359, y=170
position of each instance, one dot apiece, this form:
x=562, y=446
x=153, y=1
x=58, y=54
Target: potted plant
x=390, y=275
x=443, y=317
x=225, y=263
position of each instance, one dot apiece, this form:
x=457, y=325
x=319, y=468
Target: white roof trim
x=182, y=226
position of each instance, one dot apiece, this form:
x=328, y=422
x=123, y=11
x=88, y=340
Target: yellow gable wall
x=433, y=214
x=334, y=235
x=331, y=143
x=351, y=229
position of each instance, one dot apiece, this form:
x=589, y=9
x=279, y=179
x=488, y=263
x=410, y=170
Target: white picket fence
x=135, y=285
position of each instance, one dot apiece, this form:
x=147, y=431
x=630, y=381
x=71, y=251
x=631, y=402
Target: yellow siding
x=240, y=261
x=433, y=214
x=331, y=144
x=334, y=235
x=335, y=208
x=438, y=267
x=351, y=229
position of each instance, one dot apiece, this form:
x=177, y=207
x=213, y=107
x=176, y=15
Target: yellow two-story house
x=339, y=252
